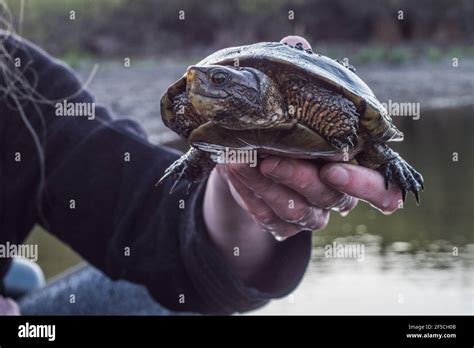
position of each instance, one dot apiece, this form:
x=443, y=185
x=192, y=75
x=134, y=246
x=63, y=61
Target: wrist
x=245, y=247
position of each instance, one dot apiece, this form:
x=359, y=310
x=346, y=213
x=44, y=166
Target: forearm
x=246, y=248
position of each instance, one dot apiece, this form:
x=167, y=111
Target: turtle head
x=234, y=98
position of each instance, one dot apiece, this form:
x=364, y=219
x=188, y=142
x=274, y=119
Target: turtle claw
x=417, y=196
x=343, y=145
x=350, y=143
x=401, y=174
x=176, y=171
x=188, y=190
x=404, y=195
x=193, y=166
x=176, y=182
x=163, y=178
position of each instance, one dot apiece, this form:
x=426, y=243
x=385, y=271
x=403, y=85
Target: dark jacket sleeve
x=98, y=195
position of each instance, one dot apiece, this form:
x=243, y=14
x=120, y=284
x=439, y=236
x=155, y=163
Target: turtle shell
x=276, y=58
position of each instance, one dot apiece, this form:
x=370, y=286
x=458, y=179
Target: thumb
x=363, y=183
x=292, y=40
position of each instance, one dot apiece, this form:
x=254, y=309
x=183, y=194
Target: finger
x=292, y=40
x=248, y=200
x=282, y=230
x=363, y=183
x=287, y=204
x=350, y=204
x=261, y=212
x=303, y=177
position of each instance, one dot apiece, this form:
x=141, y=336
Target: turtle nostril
x=190, y=75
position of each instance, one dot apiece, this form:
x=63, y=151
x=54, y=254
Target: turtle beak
x=195, y=74
x=195, y=77
x=190, y=78
x=190, y=75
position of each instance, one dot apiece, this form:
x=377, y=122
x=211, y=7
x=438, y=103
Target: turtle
x=285, y=100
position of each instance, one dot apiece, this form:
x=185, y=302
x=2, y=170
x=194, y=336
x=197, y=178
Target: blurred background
x=157, y=27
x=418, y=260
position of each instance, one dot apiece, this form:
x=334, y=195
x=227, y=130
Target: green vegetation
x=164, y=27
x=370, y=54
x=434, y=54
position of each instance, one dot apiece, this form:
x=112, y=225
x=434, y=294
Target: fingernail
x=279, y=169
x=344, y=213
x=278, y=237
x=337, y=176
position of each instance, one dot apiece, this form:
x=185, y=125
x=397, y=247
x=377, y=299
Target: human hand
x=364, y=183
x=285, y=196
x=245, y=206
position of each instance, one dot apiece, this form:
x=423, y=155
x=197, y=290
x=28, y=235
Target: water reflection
x=394, y=279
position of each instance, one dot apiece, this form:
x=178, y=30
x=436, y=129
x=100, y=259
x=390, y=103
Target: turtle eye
x=219, y=78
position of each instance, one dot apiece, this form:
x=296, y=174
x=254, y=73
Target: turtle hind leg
x=345, y=143
x=395, y=170
x=342, y=132
x=328, y=113
x=193, y=166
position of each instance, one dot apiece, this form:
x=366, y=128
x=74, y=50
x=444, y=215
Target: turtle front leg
x=395, y=170
x=194, y=166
